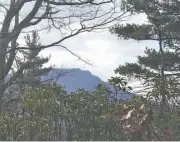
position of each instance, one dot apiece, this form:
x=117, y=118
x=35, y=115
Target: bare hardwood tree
x=61, y=15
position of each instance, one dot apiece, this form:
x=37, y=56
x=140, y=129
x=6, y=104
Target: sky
x=104, y=50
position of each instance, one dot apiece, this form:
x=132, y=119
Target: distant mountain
x=74, y=79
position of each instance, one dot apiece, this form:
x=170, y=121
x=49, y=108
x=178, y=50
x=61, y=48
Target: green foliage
x=152, y=59
x=133, y=31
x=153, y=68
x=49, y=113
x=162, y=18
x=157, y=69
x=32, y=73
x=120, y=84
x=130, y=68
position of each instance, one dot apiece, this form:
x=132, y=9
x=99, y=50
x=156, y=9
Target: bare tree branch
x=3, y=7
x=13, y=46
x=62, y=15
x=77, y=3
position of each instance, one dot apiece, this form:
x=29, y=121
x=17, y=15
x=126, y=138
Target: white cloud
x=104, y=50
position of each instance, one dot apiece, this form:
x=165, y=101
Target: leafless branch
x=3, y=7
x=89, y=15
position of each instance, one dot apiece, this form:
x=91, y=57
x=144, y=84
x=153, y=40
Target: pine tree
x=159, y=68
x=31, y=76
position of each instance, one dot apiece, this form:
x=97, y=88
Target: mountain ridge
x=73, y=79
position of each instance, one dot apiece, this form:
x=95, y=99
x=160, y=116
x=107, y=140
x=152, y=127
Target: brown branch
x=77, y=3
x=39, y=19
x=26, y=48
x=13, y=46
x=28, y=18
x=51, y=10
x=14, y=9
x=4, y=7
x=78, y=31
x=74, y=54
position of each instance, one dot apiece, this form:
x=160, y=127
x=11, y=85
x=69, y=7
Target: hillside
x=74, y=79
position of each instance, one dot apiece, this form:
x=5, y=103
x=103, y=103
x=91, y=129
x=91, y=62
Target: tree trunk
x=162, y=75
x=3, y=49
